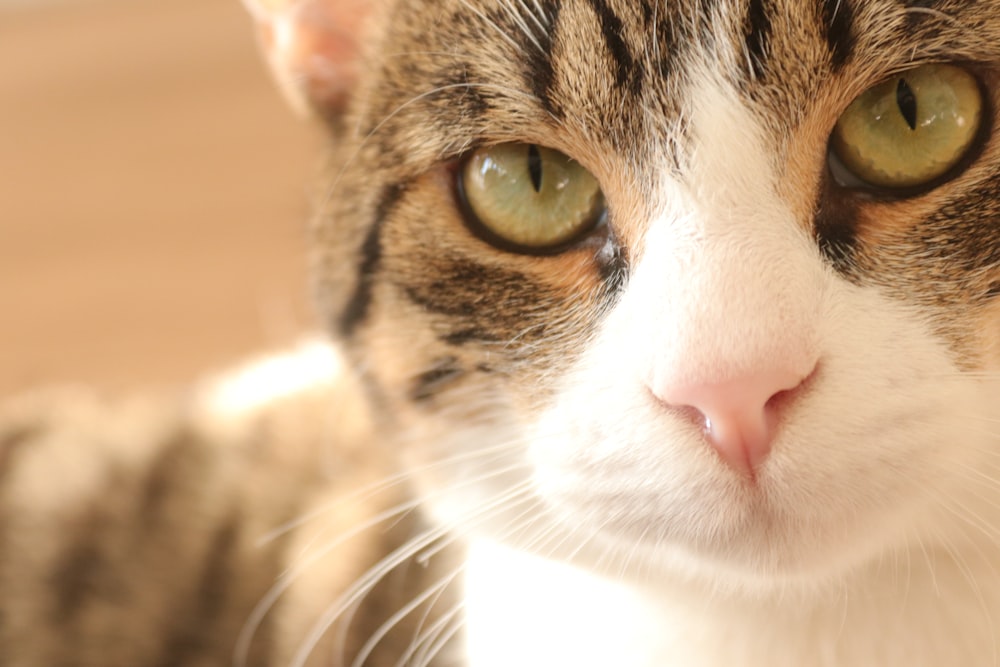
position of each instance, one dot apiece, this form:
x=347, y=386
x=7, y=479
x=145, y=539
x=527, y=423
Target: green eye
x=912, y=129
x=530, y=198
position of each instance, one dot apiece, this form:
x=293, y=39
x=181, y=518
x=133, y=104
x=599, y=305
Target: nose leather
x=739, y=414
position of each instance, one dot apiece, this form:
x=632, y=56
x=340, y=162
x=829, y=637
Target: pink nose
x=740, y=415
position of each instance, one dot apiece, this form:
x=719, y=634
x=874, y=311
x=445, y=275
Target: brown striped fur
x=131, y=531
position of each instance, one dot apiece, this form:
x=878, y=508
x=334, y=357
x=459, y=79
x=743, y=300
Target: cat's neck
x=914, y=609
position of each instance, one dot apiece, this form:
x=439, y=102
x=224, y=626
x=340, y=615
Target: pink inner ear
x=312, y=46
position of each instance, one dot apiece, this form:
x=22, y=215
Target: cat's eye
x=529, y=198
x=911, y=130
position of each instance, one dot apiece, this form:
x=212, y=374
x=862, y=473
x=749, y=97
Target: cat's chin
x=759, y=554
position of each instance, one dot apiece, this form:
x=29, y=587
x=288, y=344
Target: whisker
x=969, y=575
x=374, y=574
x=370, y=490
x=422, y=643
x=438, y=644
x=509, y=497
x=288, y=578
x=349, y=162
x=359, y=589
x=435, y=589
x=500, y=31
x=521, y=24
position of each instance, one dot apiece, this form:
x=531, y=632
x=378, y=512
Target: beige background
x=153, y=194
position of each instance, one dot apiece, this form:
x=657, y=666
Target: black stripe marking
x=540, y=73
x=445, y=371
x=371, y=256
x=757, y=34
x=838, y=31
x=628, y=72
x=178, y=457
x=469, y=335
x=194, y=635
x=459, y=290
x=836, y=227
x=993, y=291
x=509, y=305
x=82, y=572
x=455, y=87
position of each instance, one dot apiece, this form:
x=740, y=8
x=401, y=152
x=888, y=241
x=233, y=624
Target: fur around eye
x=528, y=198
x=911, y=130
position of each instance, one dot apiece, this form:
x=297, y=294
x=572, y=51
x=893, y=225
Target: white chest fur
x=526, y=611
x=921, y=609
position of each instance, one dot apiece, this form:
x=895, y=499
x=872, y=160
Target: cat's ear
x=313, y=47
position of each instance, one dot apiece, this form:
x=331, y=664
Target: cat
x=661, y=332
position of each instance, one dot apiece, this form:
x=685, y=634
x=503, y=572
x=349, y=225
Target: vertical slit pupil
x=535, y=167
x=907, y=102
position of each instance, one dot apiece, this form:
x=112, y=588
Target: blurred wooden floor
x=153, y=194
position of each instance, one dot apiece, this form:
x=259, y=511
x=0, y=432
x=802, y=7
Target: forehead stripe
x=540, y=72
x=371, y=255
x=628, y=71
x=838, y=30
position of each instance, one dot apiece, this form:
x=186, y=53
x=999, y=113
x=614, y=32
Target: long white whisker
x=435, y=589
x=360, y=588
x=399, y=512
x=288, y=578
x=374, y=488
x=510, y=497
x=364, y=583
x=419, y=647
x=436, y=645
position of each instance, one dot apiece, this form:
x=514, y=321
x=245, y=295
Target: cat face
x=764, y=352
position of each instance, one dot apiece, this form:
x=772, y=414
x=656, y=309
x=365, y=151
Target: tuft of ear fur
x=313, y=47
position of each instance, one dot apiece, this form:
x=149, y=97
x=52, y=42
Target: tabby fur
x=500, y=396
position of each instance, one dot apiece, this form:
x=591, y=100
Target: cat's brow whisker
x=500, y=31
x=513, y=92
x=535, y=17
x=522, y=25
